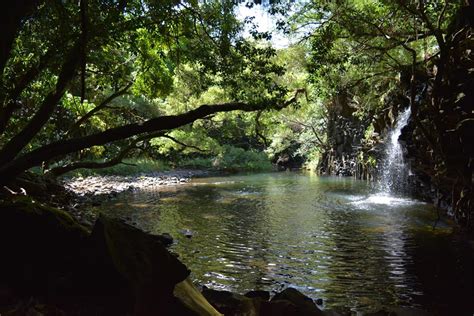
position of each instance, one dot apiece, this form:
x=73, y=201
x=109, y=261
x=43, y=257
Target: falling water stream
x=392, y=183
x=394, y=169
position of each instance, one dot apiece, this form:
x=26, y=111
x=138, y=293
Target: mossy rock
x=158, y=279
x=37, y=242
x=46, y=253
x=25, y=209
x=140, y=257
x=190, y=296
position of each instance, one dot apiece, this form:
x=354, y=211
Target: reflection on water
x=324, y=236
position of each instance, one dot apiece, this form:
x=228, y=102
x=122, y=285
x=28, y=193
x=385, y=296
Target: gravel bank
x=91, y=191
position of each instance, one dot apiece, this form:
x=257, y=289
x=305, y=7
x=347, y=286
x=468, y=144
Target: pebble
x=113, y=185
x=93, y=190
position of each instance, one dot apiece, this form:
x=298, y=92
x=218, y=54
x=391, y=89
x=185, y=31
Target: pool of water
x=331, y=238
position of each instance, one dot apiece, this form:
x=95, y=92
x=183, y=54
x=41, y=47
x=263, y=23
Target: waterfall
x=394, y=170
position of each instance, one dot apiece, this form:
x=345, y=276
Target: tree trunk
x=19, y=141
x=11, y=14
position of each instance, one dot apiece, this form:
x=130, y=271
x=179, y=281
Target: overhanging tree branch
x=57, y=171
x=13, y=168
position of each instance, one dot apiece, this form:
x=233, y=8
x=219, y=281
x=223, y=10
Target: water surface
x=331, y=238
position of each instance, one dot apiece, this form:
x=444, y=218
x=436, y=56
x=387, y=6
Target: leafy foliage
x=125, y=63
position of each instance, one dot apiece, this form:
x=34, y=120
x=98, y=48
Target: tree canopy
x=78, y=75
x=106, y=79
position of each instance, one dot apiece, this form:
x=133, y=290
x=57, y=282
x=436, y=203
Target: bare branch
x=183, y=144
x=57, y=171
x=101, y=106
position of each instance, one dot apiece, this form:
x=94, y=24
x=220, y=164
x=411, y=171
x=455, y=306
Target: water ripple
x=327, y=237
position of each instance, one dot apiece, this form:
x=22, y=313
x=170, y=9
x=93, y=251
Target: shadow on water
x=327, y=237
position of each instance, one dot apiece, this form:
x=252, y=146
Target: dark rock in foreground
x=287, y=303
x=264, y=295
x=116, y=270
x=304, y=304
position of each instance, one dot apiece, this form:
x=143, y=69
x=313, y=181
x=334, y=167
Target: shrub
x=130, y=166
x=237, y=159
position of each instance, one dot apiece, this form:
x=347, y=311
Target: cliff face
x=440, y=137
x=352, y=150
x=344, y=137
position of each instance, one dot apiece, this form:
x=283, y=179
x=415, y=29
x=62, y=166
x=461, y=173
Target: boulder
x=114, y=270
x=229, y=303
x=159, y=280
x=38, y=242
x=279, y=308
x=263, y=295
x=143, y=260
x=304, y=304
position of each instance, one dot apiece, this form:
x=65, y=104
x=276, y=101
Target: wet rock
x=164, y=238
x=279, y=308
x=290, y=302
x=187, y=233
x=230, y=303
x=304, y=304
x=263, y=295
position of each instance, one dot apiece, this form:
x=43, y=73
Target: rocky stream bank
x=88, y=192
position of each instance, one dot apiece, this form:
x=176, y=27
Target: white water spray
x=394, y=170
x=392, y=183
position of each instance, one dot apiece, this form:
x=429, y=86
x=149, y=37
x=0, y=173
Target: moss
x=42, y=242
x=140, y=257
x=187, y=293
x=26, y=206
